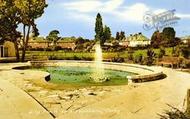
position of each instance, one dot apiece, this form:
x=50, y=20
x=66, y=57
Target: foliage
x=138, y=59
x=174, y=113
x=168, y=36
x=185, y=52
x=103, y=34
x=29, y=11
x=53, y=37
x=165, y=38
x=162, y=52
x=23, y=13
x=9, y=23
x=99, y=29
x=117, y=36
x=176, y=51
x=120, y=36
x=106, y=34
x=150, y=56
x=156, y=39
x=83, y=44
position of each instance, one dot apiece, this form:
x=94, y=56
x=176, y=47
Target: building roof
x=137, y=37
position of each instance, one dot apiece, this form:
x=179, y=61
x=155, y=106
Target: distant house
x=38, y=44
x=135, y=40
x=108, y=44
x=7, y=49
x=66, y=44
x=46, y=44
x=124, y=43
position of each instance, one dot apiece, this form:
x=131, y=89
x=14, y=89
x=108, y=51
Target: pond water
x=83, y=76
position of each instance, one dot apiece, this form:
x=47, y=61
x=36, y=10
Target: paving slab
x=17, y=104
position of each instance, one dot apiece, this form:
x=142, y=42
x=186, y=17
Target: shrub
x=162, y=52
x=185, y=52
x=139, y=59
x=176, y=51
x=118, y=59
x=150, y=57
x=174, y=113
x=130, y=56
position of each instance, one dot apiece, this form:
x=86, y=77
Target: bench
x=171, y=61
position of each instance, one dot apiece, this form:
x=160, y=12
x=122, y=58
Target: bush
x=174, y=113
x=118, y=59
x=139, y=59
x=150, y=57
x=162, y=52
x=185, y=52
x=176, y=51
x=130, y=56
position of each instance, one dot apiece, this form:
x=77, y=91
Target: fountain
x=75, y=73
x=98, y=75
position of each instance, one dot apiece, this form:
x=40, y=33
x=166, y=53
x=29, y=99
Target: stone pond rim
x=145, y=73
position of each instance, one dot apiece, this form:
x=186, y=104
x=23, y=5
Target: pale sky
x=77, y=17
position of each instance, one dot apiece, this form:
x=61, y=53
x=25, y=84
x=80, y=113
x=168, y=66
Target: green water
x=82, y=76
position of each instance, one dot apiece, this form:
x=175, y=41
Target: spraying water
x=98, y=75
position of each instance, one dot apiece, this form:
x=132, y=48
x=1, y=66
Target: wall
x=11, y=49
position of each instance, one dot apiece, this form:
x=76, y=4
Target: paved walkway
x=16, y=104
x=145, y=101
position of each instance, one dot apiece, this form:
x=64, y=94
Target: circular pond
x=83, y=76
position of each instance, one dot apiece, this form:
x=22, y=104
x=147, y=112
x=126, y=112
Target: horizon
x=74, y=18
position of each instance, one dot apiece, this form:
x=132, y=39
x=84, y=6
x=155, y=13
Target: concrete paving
x=143, y=101
x=17, y=104
x=146, y=101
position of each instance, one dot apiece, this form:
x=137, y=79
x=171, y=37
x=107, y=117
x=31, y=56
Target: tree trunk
x=25, y=43
x=17, y=51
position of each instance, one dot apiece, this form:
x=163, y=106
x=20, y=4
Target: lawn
x=61, y=55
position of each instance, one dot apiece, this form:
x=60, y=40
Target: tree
x=168, y=36
x=156, y=39
x=122, y=35
x=106, y=34
x=23, y=13
x=117, y=36
x=162, y=52
x=99, y=29
x=53, y=37
x=79, y=41
x=150, y=56
x=9, y=24
x=29, y=11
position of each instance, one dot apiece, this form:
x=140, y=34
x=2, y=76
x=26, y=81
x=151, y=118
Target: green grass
x=61, y=55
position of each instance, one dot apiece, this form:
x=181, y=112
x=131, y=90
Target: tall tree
x=53, y=37
x=29, y=11
x=117, y=36
x=156, y=39
x=106, y=34
x=99, y=29
x=23, y=13
x=9, y=24
x=122, y=35
x=168, y=36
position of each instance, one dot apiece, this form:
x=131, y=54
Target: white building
x=137, y=40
